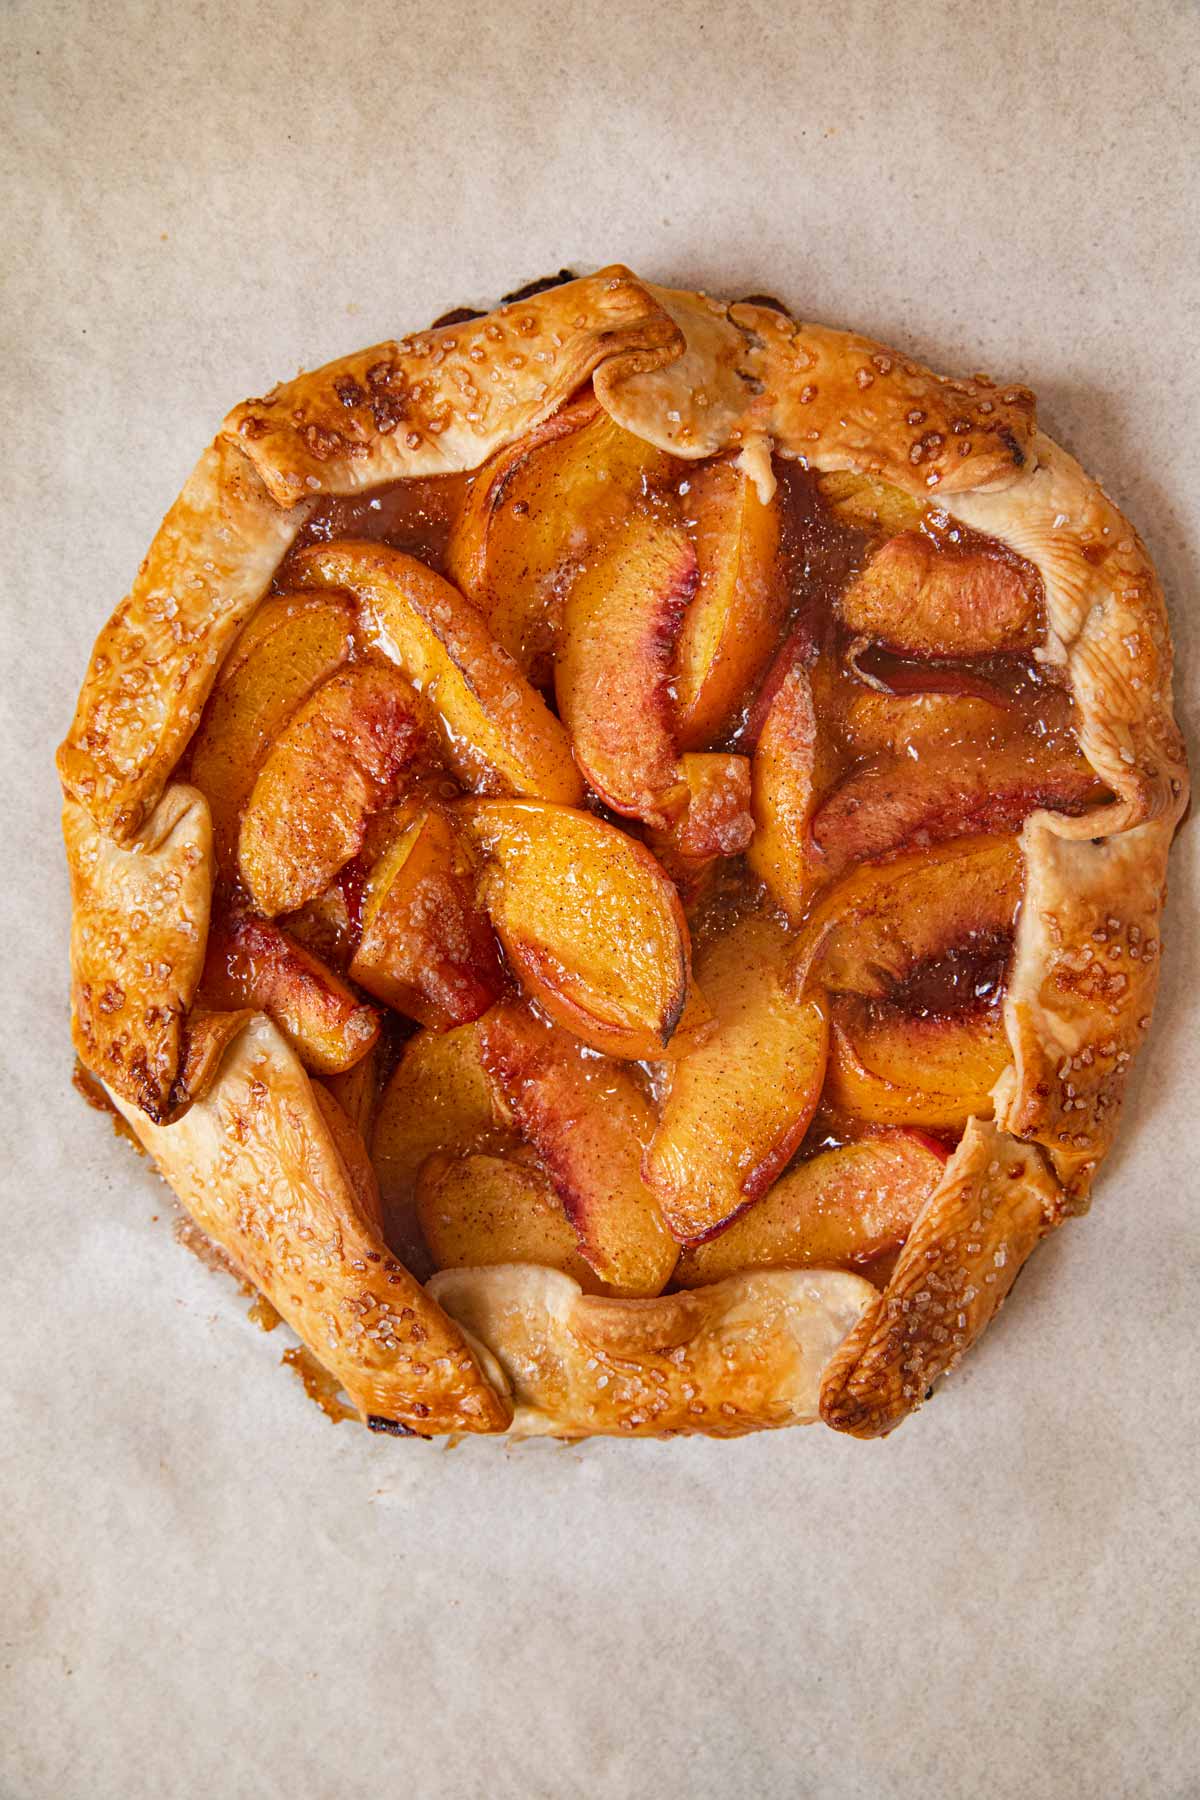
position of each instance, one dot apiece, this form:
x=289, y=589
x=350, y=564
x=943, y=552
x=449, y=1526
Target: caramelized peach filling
x=634, y=857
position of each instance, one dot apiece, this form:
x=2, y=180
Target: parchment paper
x=207, y=1589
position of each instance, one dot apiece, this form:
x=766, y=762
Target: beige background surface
x=208, y=1590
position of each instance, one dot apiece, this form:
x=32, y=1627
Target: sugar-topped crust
x=257, y=1166
x=153, y=664
x=1081, y=987
x=443, y=400
x=965, y=1250
x=256, y=1159
x=139, y=925
x=752, y=375
x=745, y=1354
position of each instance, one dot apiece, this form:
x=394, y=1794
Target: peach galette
x=617, y=850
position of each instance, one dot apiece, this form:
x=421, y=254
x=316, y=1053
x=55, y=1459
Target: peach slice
x=291, y=645
x=923, y=596
x=951, y=790
x=495, y=546
x=250, y=962
x=787, y=768
x=734, y=622
x=875, y=665
x=589, y=921
x=478, y=1210
x=537, y=507
x=871, y=931
x=356, y=1090
x=737, y=1107
x=868, y=504
x=207, y=1037
x=589, y=1122
x=343, y=755
x=889, y=724
x=498, y=733
x=843, y=1207
x=717, y=823
x=890, y=1067
x=425, y=947
x=696, y=1026
x=798, y=647
x=622, y=615
x=439, y=1098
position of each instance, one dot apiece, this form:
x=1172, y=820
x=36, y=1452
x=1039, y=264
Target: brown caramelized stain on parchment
x=202, y=1247
x=320, y=1386
x=205, y=1250
x=86, y=1085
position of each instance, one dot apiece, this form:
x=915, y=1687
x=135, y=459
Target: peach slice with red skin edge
x=438, y=1098
x=498, y=734
x=425, y=948
x=344, y=754
x=737, y=1107
x=952, y=790
x=890, y=1067
x=590, y=923
x=477, y=1210
x=733, y=624
x=841, y=1209
x=535, y=508
x=293, y=643
x=788, y=766
x=927, y=596
x=589, y=1122
x=882, y=922
x=797, y=648
x=717, y=823
x=892, y=675
x=622, y=615
x=251, y=962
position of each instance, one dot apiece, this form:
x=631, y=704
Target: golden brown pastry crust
x=994, y=1205
x=745, y=1354
x=257, y=1167
x=833, y=398
x=138, y=929
x=1081, y=987
x=694, y=376
x=153, y=664
x=443, y=400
